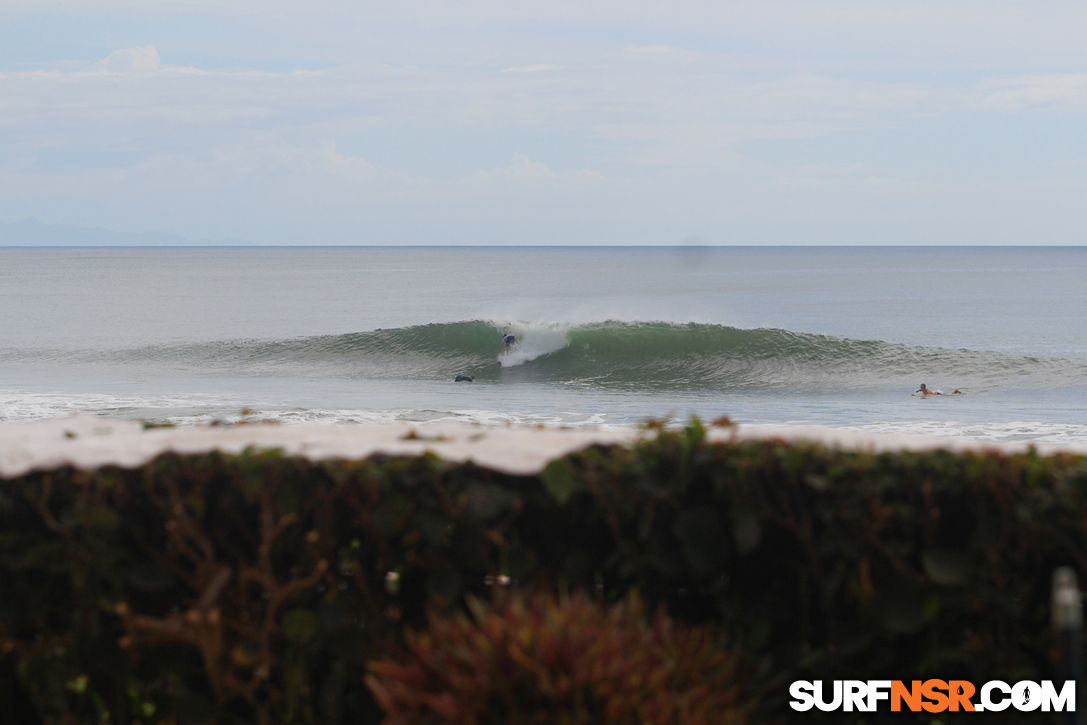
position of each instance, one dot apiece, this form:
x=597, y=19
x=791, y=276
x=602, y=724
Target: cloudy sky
x=549, y=122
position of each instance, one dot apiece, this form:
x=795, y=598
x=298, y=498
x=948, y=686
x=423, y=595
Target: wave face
x=634, y=355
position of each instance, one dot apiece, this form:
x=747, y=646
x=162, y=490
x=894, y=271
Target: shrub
x=255, y=588
x=541, y=660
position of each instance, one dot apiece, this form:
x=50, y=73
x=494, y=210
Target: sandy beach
x=90, y=442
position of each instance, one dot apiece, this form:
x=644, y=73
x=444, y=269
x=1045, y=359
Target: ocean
x=607, y=336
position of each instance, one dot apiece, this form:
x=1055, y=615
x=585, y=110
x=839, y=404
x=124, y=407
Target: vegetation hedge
x=257, y=588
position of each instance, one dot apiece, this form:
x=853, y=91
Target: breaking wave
x=635, y=355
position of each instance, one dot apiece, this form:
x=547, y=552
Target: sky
x=560, y=122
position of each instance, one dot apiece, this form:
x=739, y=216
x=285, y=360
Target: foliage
x=558, y=661
x=256, y=588
x=230, y=589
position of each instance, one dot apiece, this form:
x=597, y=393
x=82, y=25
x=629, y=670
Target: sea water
x=609, y=336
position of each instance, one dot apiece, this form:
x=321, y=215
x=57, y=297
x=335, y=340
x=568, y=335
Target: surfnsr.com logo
x=932, y=696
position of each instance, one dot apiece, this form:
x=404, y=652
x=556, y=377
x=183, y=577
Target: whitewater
x=607, y=337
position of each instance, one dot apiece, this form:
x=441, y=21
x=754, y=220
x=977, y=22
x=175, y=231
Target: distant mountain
x=32, y=233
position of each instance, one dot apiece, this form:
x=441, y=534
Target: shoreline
x=88, y=442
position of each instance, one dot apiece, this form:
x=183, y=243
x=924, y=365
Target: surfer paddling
x=925, y=391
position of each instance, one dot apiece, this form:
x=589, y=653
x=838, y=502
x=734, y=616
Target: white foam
x=197, y=410
x=27, y=406
x=534, y=340
x=1047, y=436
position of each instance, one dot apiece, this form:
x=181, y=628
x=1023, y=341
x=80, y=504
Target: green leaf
x=703, y=538
x=389, y=516
x=746, y=530
x=99, y=517
x=487, y=501
x=949, y=568
x=435, y=528
x=559, y=481
x=299, y=625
